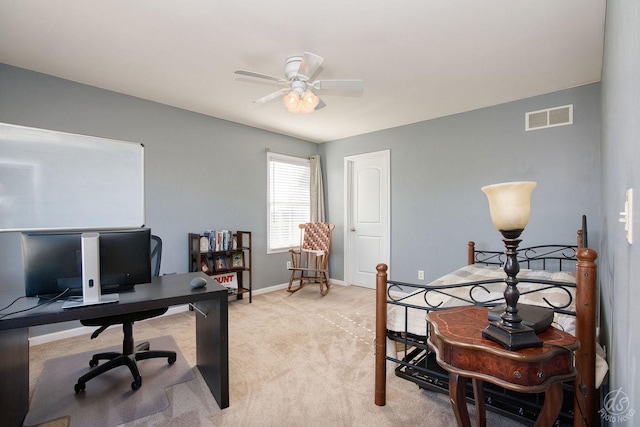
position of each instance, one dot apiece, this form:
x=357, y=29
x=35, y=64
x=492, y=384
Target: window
x=288, y=200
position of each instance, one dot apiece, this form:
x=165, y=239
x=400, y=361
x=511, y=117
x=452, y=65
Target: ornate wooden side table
x=456, y=338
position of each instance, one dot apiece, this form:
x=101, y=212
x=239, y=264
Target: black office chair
x=130, y=353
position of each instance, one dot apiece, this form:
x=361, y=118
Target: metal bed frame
x=417, y=363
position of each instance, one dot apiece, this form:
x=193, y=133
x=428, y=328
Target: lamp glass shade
x=292, y=101
x=510, y=204
x=310, y=100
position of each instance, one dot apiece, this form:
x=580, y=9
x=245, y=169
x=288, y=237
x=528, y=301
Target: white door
x=367, y=216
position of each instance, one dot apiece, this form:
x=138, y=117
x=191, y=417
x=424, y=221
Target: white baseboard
x=86, y=330
x=60, y=335
x=284, y=286
x=82, y=330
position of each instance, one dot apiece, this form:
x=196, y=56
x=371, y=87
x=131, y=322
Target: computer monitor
x=53, y=261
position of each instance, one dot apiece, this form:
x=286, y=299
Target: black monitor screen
x=53, y=261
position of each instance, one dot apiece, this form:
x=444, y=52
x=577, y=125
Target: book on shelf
x=220, y=240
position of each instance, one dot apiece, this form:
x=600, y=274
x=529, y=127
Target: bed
x=562, y=277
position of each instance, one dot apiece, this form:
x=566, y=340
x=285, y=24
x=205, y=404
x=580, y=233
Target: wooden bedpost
x=586, y=282
x=381, y=335
x=471, y=253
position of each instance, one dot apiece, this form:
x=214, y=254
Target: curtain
x=317, y=192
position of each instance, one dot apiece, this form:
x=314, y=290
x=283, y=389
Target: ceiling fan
x=298, y=91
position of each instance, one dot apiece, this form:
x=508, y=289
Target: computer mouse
x=198, y=282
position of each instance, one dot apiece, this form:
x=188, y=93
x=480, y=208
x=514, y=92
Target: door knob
x=353, y=229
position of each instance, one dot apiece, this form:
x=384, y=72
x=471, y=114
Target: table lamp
x=510, y=207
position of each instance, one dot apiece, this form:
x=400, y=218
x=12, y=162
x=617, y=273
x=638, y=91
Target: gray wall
x=200, y=172
x=438, y=167
x=619, y=262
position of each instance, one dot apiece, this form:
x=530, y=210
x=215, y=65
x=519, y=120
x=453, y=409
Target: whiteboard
x=57, y=180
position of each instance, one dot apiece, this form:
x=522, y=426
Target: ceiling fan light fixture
x=291, y=98
x=310, y=100
x=300, y=97
x=306, y=103
x=292, y=101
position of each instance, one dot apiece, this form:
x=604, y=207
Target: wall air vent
x=551, y=117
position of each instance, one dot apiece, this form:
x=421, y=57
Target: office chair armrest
x=99, y=331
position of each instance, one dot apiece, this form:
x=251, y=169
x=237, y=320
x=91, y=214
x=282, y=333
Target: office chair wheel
x=137, y=383
x=79, y=387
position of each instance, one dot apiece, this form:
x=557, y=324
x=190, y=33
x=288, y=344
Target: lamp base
x=511, y=338
x=533, y=316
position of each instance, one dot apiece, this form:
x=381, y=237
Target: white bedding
x=416, y=318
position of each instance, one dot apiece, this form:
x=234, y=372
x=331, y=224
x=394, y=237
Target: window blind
x=288, y=200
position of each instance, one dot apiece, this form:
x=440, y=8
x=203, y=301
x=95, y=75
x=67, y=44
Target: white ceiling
x=419, y=59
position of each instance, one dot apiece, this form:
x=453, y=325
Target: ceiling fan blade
x=261, y=76
x=320, y=105
x=354, y=85
x=272, y=96
x=309, y=65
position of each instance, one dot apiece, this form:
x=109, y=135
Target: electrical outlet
x=420, y=274
x=288, y=265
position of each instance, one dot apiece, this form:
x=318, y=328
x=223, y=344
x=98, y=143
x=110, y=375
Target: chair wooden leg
x=293, y=279
x=319, y=277
x=324, y=284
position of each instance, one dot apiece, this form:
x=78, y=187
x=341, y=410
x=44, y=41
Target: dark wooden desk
x=456, y=338
x=212, y=344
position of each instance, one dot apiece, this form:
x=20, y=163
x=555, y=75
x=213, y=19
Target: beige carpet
x=295, y=359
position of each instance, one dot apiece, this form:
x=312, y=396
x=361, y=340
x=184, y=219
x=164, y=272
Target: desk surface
x=163, y=291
